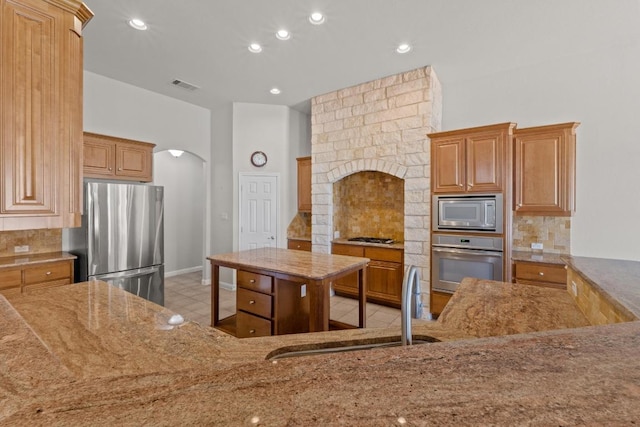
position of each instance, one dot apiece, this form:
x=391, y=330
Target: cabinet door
x=384, y=282
x=30, y=128
x=438, y=301
x=133, y=161
x=304, y=184
x=99, y=157
x=545, y=170
x=347, y=285
x=10, y=279
x=447, y=165
x=484, y=162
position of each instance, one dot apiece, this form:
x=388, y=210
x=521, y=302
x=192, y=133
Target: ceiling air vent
x=184, y=85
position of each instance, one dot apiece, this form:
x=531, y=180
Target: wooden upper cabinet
x=117, y=158
x=41, y=113
x=545, y=159
x=471, y=160
x=448, y=165
x=304, y=184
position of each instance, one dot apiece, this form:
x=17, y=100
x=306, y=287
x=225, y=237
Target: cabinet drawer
x=382, y=254
x=301, y=245
x=47, y=272
x=541, y=272
x=10, y=278
x=255, y=282
x=254, y=302
x=351, y=250
x=248, y=325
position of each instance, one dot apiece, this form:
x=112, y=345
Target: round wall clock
x=258, y=158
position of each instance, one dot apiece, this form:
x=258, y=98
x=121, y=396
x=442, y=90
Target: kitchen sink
x=344, y=346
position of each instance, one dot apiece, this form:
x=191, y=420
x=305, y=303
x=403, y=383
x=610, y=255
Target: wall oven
x=477, y=212
x=455, y=257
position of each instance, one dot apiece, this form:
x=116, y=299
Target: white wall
x=276, y=130
x=119, y=109
x=183, y=179
x=600, y=89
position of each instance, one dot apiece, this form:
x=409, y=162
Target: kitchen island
x=91, y=354
x=286, y=291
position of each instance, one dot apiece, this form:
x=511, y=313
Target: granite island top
x=91, y=354
x=300, y=263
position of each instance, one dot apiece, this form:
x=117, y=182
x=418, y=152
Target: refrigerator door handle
x=127, y=274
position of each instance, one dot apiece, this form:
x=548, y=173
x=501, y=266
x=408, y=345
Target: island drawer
x=55, y=271
x=10, y=278
x=255, y=281
x=248, y=325
x=254, y=302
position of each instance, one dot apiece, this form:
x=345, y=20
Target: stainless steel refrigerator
x=121, y=240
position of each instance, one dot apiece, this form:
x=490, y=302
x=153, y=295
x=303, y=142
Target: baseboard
x=223, y=285
x=183, y=271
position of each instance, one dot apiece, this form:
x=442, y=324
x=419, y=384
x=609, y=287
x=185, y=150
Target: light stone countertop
x=91, y=354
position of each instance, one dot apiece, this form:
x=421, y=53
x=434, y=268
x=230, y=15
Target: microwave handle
x=490, y=214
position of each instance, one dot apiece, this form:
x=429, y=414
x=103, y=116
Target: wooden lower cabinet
x=30, y=277
x=438, y=300
x=267, y=305
x=540, y=274
x=384, y=273
x=300, y=245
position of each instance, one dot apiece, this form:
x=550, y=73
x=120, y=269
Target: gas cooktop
x=384, y=240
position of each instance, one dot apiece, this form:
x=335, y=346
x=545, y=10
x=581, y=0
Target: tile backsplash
x=39, y=241
x=553, y=232
x=300, y=226
x=369, y=204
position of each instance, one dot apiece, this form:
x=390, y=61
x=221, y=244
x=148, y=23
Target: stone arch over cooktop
x=361, y=165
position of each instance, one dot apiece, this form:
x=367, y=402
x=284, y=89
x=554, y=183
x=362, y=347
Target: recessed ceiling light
x=275, y=91
x=403, y=48
x=255, y=48
x=138, y=24
x=316, y=18
x=283, y=35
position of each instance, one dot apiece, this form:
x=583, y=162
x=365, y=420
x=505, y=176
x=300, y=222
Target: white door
x=258, y=211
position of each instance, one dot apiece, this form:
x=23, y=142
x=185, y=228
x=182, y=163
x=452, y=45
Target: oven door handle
x=466, y=251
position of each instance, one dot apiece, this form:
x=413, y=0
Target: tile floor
x=186, y=295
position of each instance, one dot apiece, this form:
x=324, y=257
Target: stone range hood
x=378, y=126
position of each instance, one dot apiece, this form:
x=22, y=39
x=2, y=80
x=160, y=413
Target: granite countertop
x=31, y=259
x=92, y=354
x=395, y=245
x=312, y=265
x=304, y=238
x=543, y=257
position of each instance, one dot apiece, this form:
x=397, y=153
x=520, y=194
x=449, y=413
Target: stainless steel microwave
x=478, y=212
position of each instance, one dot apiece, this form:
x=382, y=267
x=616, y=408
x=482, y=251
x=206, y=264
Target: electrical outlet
x=21, y=249
x=336, y=234
x=574, y=288
x=537, y=246
x=303, y=291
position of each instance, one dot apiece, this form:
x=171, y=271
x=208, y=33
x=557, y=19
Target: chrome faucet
x=411, y=302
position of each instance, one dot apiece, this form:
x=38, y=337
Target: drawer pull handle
x=541, y=273
x=252, y=331
x=252, y=302
x=252, y=281
x=48, y=273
